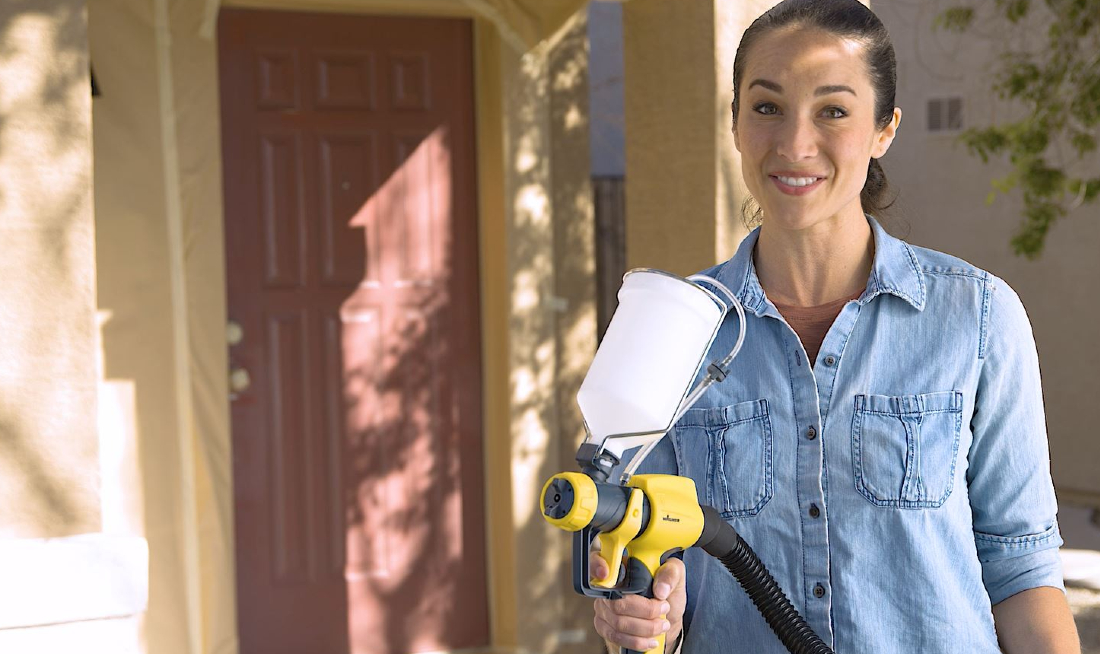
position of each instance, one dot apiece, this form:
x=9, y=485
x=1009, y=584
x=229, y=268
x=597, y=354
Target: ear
x=736, y=140
x=885, y=137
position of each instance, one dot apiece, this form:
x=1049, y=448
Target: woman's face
x=805, y=127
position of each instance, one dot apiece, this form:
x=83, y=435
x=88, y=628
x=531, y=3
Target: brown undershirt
x=811, y=323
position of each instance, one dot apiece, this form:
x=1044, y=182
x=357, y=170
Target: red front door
x=351, y=252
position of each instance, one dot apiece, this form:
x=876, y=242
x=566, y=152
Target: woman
x=880, y=441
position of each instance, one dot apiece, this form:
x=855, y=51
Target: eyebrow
x=821, y=90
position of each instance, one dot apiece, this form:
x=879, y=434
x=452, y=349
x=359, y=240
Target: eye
x=835, y=112
x=765, y=108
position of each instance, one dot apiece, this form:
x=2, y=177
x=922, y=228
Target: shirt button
x=811, y=433
x=819, y=591
x=830, y=360
x=814, y=511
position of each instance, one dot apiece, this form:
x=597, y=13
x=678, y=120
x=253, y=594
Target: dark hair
x=846, y=19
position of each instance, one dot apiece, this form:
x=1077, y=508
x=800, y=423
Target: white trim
x=507, y=34
x=45, y=581
x=209, y=19
x=185, y=430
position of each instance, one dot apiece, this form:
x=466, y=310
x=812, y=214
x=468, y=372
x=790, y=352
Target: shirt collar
x=895, y=270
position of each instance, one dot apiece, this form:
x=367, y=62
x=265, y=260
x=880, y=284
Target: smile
x=796, y=185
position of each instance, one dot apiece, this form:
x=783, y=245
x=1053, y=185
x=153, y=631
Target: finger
x=633, y=606
x=639, y=627
x=630, y=640
x=669, y=576
x=597, y=567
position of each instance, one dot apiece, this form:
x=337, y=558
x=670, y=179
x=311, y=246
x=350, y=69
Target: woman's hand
x=634, y=621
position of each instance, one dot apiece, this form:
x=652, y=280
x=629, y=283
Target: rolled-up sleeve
x=1011, y=493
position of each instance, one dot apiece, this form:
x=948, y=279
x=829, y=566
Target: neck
x=815, y=265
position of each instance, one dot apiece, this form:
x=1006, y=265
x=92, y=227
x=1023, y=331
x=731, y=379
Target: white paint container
x=650, y=354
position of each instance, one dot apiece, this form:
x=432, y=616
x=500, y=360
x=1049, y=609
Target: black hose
x=721, y=540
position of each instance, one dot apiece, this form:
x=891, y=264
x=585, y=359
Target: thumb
x=669, y=576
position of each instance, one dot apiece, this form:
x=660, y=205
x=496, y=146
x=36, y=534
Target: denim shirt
x=895, y=490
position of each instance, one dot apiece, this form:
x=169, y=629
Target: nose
x=797, y=139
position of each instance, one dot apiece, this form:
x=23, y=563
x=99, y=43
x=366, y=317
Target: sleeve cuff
x=997, y=548
x=1004, y=577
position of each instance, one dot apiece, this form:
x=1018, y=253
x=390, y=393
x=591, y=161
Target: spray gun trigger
x=612, y=543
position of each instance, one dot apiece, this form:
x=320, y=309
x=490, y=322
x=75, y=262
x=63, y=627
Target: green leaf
x=990, y=198
x=1092, y=189
x=1031, y=236
x=1017, y=9
x=1005, y=184
x=954, y=19
x=1044, y=181
x=1083, y=143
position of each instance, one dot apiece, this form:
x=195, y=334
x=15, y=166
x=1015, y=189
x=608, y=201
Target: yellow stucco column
x=684, y=188
x=550, y=286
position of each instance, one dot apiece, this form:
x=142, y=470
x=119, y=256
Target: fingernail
x=665, y=625
x=652, y=644
x=661, y=590
x=664, y=609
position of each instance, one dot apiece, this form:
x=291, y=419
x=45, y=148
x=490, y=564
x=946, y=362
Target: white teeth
x=797, y=181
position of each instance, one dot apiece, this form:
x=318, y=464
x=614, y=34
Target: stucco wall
x=552, y=330
x=48, y=441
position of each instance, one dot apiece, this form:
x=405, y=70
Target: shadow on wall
x=48, y=459
x=575, y=269
x=553, y=326
x=413, y=518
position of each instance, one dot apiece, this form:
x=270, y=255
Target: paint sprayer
x=638, y=386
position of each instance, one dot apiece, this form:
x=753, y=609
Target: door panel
x=351, y=253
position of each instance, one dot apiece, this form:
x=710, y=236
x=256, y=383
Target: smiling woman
x=901, y=431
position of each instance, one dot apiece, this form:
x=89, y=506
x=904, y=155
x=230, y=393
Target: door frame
x=491, y=194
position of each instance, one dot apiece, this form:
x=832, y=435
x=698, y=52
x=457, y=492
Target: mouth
x=792, y=185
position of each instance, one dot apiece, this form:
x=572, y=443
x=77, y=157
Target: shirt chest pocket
x=904, y=448
x=727, y=451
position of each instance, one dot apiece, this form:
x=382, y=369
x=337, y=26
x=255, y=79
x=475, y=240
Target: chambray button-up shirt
x=896, y=489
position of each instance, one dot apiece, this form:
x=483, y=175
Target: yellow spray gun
x=629, y=401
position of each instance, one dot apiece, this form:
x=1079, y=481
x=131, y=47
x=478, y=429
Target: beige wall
x=48, y=441
x=575, y=286
x=669, y=90
x=551, y=286
x=942, y=205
